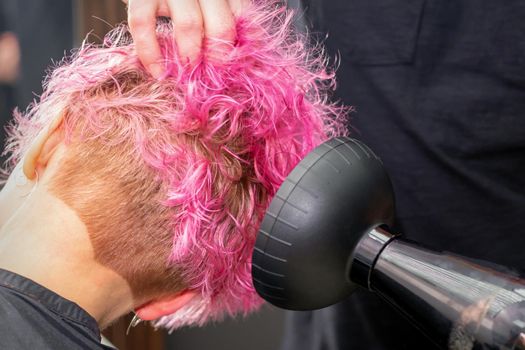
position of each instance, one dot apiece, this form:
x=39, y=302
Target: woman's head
x=171, y=177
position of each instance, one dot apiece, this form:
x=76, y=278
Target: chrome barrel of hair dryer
x=326, y=232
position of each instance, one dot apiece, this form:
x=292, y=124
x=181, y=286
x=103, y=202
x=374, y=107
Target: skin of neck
x=43, y=239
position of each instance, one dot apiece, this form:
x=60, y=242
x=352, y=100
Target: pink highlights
x=221, y=135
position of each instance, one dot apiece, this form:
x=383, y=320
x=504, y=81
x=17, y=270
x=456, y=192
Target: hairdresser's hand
x=192, y=21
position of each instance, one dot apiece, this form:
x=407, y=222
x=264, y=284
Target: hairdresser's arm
x=192, y=20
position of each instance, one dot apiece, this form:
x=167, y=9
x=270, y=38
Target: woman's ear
x=164, y=306
x=42, y=148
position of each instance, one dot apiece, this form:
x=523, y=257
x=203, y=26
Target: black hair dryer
x=326, y=232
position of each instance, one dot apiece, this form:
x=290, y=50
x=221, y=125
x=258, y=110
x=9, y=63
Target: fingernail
x=156, y=70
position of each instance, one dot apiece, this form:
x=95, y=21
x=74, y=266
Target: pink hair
x=264, y=103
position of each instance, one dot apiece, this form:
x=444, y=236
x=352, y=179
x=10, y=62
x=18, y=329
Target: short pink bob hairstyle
x=172, y=176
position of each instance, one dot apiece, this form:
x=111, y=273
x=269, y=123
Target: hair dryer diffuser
x=328, y=202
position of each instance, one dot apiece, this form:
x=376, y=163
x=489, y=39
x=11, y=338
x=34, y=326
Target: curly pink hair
x=216, y=138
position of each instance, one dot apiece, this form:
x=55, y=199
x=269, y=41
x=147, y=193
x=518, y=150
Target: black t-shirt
x=439, y=92
x=33, y=317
